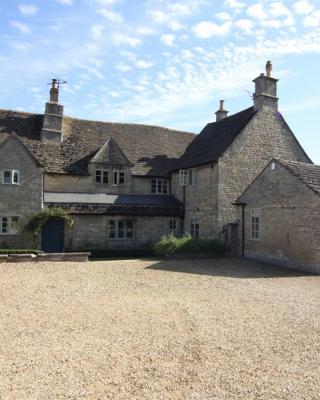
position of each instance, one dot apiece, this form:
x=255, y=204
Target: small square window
x=10, y=177
x=121, y=177
x=9, y=225
x=105, y=177
x=98, y=176
x=173, y=224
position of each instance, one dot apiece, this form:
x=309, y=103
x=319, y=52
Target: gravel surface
x=202, y=329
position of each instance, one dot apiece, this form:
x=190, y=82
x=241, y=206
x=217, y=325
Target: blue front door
x=52, y=239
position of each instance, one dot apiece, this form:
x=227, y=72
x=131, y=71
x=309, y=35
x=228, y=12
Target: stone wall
x=90, y=232
x=265, y=137
x=289, y=215
x=21, y=200
x=87, y=184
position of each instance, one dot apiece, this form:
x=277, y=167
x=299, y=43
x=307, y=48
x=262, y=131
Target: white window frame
x=116, y=174
x=255, y=225
x=9, y=222
x=194, y=228
x=128, y=226
x=188, y=177
x=102, y=174
x=13, y=173
x=161, y=186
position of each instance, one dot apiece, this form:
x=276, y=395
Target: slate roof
x=308, y=173
x=153, y=151
x=83, y=203
x=214, y=139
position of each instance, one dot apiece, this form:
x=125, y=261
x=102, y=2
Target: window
x=194, y=228
x=255, y=225
x=9, y=225
x=188, y=177
x=102, y=176
x=173, y=224
x=159, y=186
x=10, y=177
x=118, y=177
x=120, y=229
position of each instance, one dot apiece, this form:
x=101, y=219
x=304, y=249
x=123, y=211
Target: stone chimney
x=221, y=113
x=53, y=117
x=265, y=95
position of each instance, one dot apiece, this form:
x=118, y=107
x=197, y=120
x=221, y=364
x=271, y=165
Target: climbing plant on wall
x=39, y=219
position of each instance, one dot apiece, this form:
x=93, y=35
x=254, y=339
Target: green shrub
x=170, y=244
x=19, y=251
x=39, y=219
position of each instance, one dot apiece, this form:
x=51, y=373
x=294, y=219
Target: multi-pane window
x=188, y=177
x=172, y=224
x=9, y=225
x=159, y=186
x=255, y=225
x=194, y=228
x=10, y=177
x=120, y=229
x=102, y=176
x=118, y=177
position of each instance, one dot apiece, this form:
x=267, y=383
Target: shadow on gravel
x=229, y=267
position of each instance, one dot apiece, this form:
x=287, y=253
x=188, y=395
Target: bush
x=170, y=244
x=39, y=219
x=20, y=251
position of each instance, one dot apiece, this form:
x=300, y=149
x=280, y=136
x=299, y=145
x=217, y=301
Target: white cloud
x=312, y=20
x=246, y=25
x=224, y=16
x=107, y=3
x=168, y=39
x=65, y=2
x=120, y=38
x=176, y=25
x=97, y=32
x=123, y=67
x=28, y=9
x=179, y=9
x=278, y=9
x=303, y=7
x=21, y=46
x=187, y=54
x=257, y=11
x=145, y=31
x=111, y=15
x=234, y=4
x=22, y=28
x=142, y=64
x=158, y=16
x=206, y=29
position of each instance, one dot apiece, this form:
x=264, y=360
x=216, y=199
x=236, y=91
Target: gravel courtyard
x=202, y=329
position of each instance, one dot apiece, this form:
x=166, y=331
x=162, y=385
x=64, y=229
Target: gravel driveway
x=203, y=329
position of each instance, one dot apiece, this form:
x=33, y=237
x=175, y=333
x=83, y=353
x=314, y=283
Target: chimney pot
x=221, y=113
x=268, y=68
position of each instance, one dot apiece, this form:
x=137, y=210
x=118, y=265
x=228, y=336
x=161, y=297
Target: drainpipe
x=243, y=233
x=183, y=206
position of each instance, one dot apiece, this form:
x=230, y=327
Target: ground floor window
x=194, y=228
x=173, y=224
x=9, y=225
x=120, y=229
x=255, y=225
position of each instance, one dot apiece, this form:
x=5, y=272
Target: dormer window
x=102, y=176
x=10, y=177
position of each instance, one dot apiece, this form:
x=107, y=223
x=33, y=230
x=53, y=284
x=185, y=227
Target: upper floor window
x=194, y=228
x=102, y=176
x=187, y=177
x=255, y=225
x=10, y=177
x=118, y=177
x=120, y=229
x=9, y=225
x=159, y=186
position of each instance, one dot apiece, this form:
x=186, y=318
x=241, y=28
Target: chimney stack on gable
x=265, y=95
x=53, y=117
x=221, y=113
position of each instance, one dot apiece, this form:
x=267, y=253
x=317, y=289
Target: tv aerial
x=57, y=81
x=249, y=93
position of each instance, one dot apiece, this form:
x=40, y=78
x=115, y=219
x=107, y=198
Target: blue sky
x=162, y=62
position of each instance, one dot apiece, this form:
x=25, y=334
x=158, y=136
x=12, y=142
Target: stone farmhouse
x=126, y=185
x=281, y=218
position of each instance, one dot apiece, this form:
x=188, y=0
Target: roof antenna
x=249, y=93
x=58, y=81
